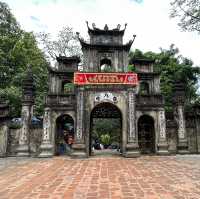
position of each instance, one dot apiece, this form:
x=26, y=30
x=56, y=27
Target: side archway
x=146, y=134
x=64, y=136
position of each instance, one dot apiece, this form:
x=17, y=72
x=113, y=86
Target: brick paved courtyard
x=149, y=177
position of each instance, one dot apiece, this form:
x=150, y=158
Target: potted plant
x=105, y=140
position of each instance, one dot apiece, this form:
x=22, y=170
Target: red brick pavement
x=149, y=177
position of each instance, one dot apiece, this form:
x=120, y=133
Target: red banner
x=105, y=78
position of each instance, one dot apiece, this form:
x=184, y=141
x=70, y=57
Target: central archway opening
x=146, y=134
x=105, y=130
x=106, y=65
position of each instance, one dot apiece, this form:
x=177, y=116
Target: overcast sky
x=148, y=19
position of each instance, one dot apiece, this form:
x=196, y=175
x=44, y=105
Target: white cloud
x=149, y=20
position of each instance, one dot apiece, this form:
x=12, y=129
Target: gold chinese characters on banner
x=105, y=78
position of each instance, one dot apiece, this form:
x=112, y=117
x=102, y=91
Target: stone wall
x=191, y=132
x=172, y=137
x=35, y=141
x=3, y=139
x=13, y=141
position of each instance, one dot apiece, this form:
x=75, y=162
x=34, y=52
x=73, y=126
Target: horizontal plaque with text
x=105, y=78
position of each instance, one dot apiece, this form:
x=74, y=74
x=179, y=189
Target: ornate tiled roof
x=105, y=31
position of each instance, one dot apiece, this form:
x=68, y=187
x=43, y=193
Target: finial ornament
x=87, y=24
x=77, y=34
x=125, y=26
x=134, y=36
x=106, y=27
x=118, y=26
x=94, y=26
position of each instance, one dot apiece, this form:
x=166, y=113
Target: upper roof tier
x=105, y=38
x=114, y=32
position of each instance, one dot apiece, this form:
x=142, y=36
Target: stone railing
x=62, y=99
x=149, y=100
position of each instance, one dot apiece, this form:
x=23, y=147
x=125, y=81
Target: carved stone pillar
x=27, y=111
x=179, y=100
x=197, y=124
x=182, y=135
x=162, y=139
x=132, y=148
x=46, y=147
x=23, y=148
x=4, y=112
x=79, y=117
x=79, y=147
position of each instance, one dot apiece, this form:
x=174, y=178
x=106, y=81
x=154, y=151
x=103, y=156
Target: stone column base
x=162, y=148
x=79, y=151
x=46, y=150
x=132, y=150
x=23, y=150
x=183, y=147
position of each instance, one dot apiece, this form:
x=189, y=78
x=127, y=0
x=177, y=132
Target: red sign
x=105, y=78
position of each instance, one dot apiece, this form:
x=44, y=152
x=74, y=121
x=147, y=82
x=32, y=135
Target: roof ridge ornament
x=87, y=25
x=106, y=27
x=118, y=26
x=125, y=26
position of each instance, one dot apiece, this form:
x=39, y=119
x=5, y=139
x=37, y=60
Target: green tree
x=66, y=44
x=173, y=66
x=9, y=34
x=188, y=11
x=17, y=50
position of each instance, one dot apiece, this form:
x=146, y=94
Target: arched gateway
x=105, y=128
x=64, y=134
x=105, y=88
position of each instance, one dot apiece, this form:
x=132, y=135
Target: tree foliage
x=17, y=50
x=107, y=126
x=66, y=44
x=173, y=66
x=188, y=11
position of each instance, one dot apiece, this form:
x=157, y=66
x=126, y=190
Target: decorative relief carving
x=131, y=103
x=25, y=122
x=181, y=126
x=106, y=55
x=46, y=125
x=162, y=124
x=106, y=96
x=79, y=131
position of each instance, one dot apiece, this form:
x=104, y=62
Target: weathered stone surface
x=13, y=141
x=3, y=140
x=35, y=140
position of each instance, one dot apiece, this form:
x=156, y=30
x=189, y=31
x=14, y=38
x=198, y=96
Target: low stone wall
x=35, y=141
x=3, y=140
x=172, y=140
x=13, y=140
x=191, y=131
